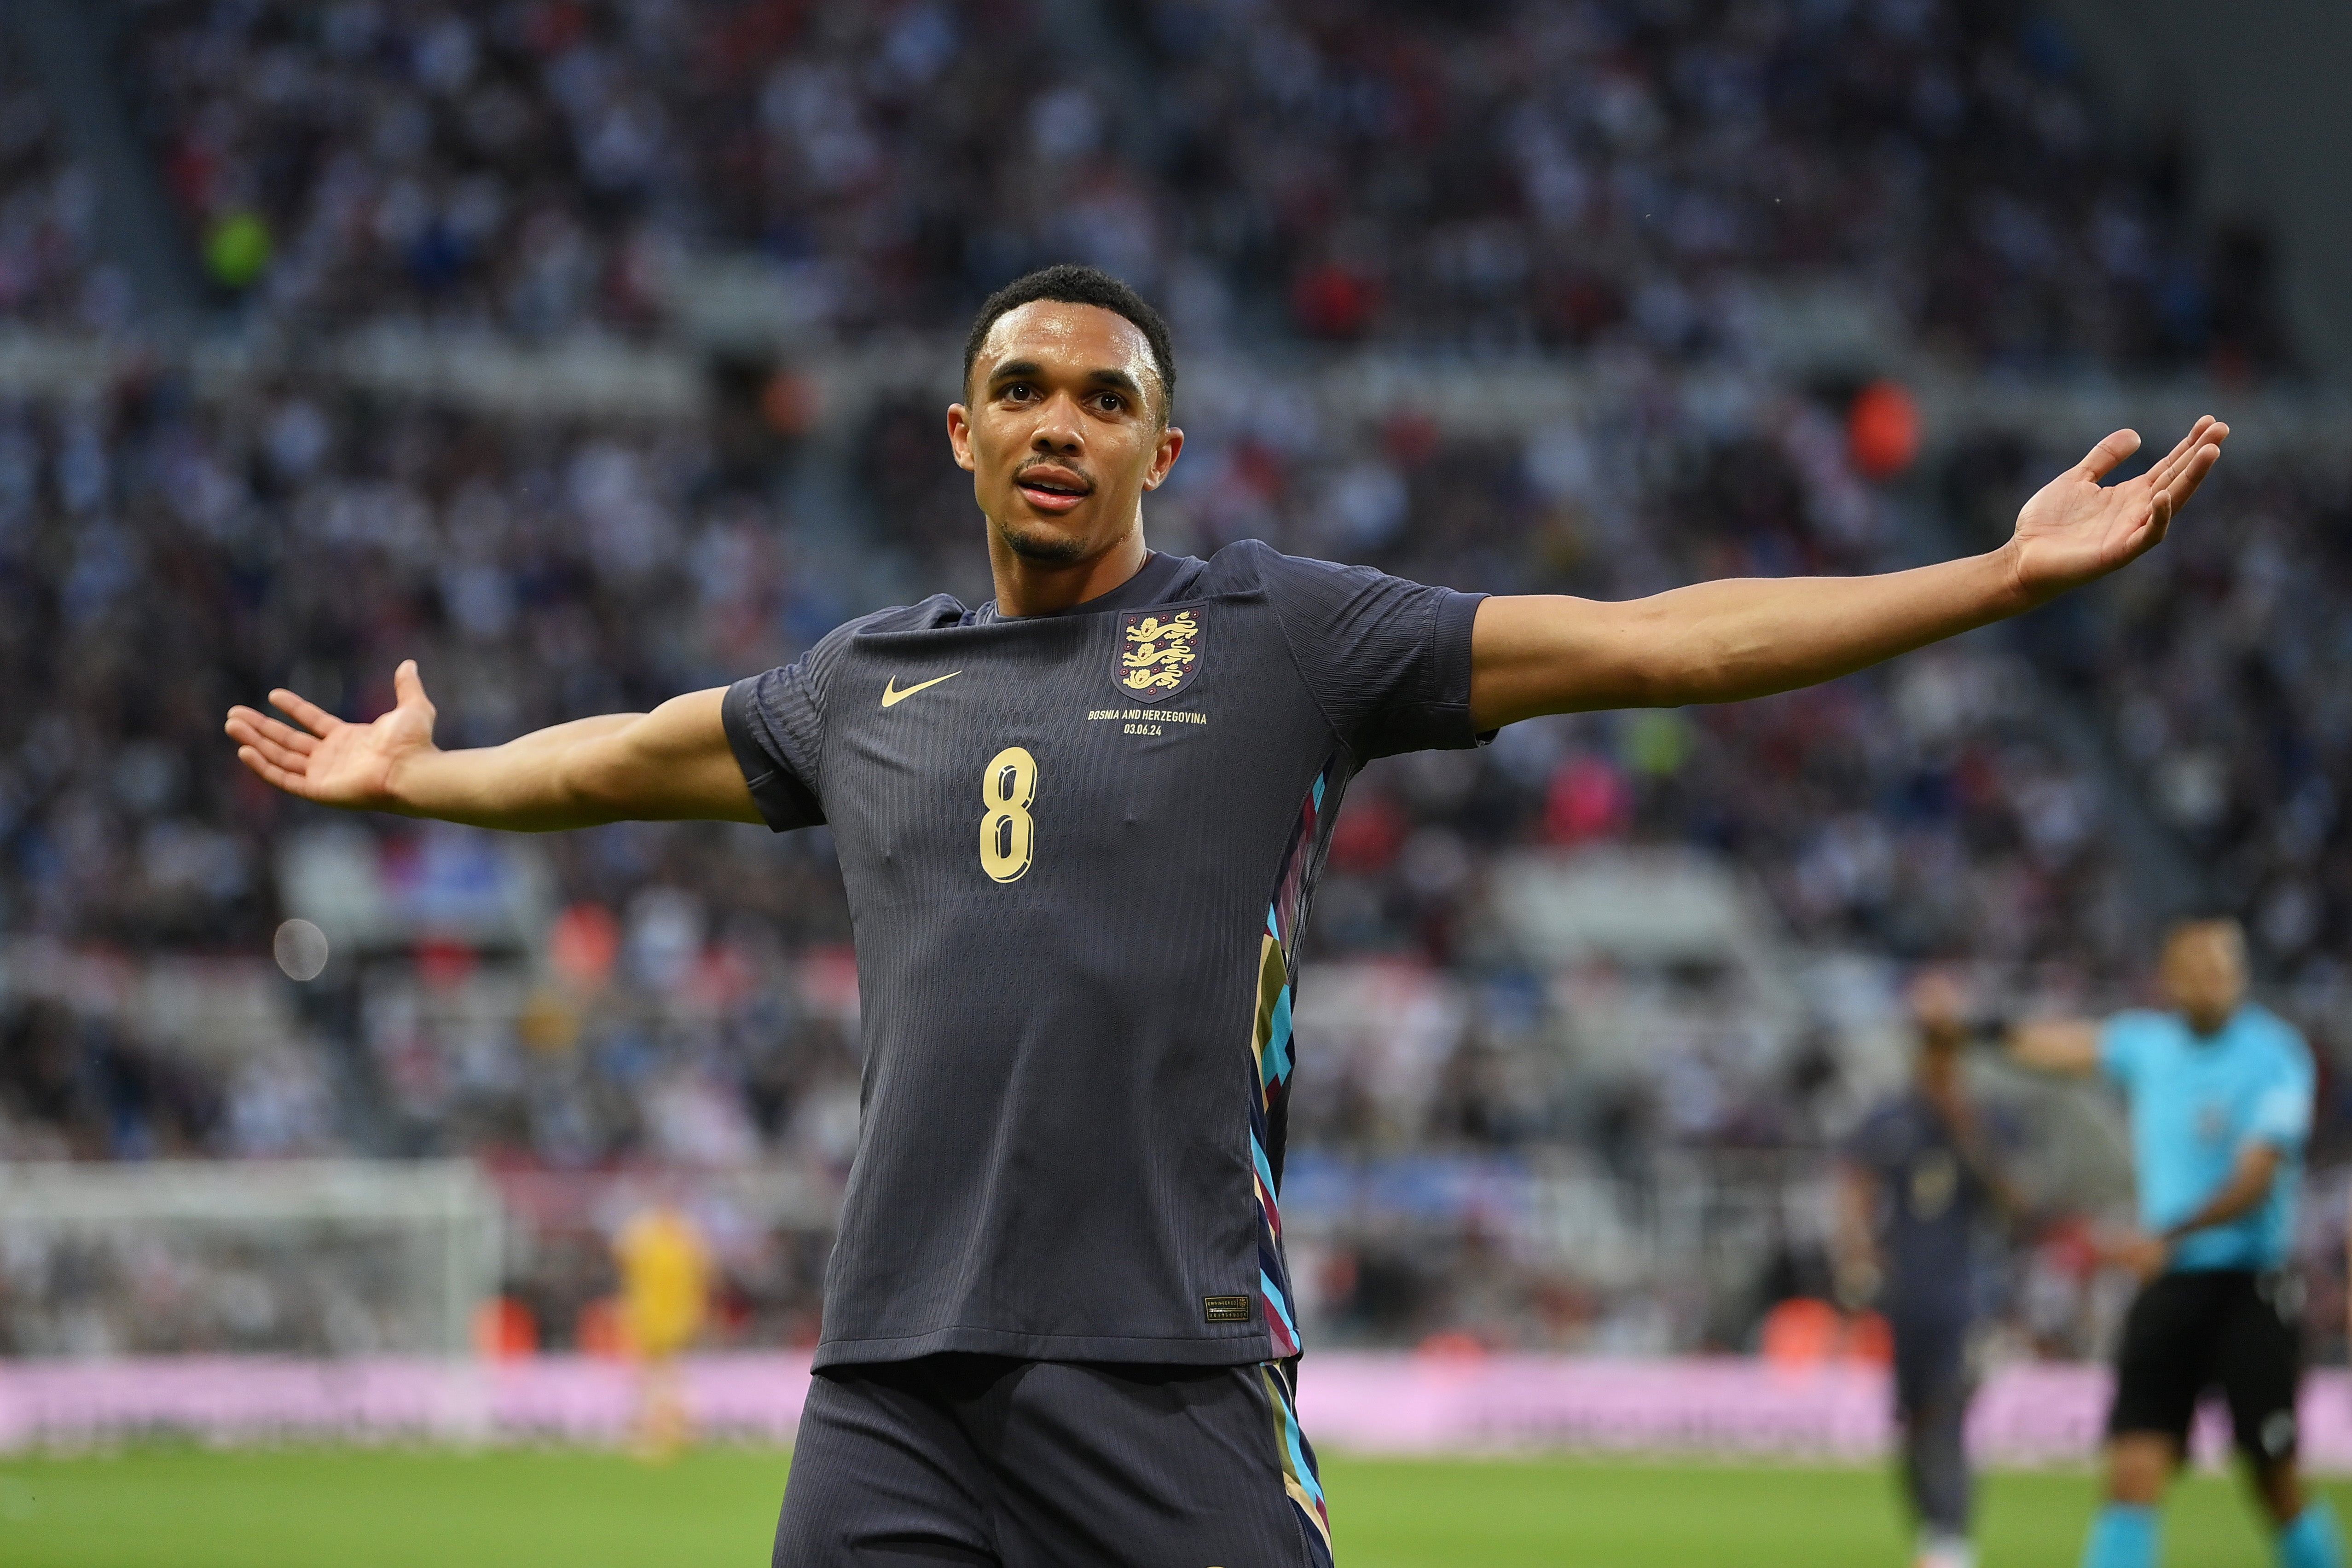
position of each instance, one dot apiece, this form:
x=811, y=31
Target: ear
x=1172, y=443
x=960, y=437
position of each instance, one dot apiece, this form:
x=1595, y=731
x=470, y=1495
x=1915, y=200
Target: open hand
x=2075, y=529
x=330, y=760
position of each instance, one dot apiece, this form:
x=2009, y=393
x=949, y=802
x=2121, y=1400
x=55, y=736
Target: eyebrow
x=1119, y=379
x=1017, y=370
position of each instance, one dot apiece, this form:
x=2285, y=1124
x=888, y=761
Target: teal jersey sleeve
x=2281, y=1112
x=2124, y=1041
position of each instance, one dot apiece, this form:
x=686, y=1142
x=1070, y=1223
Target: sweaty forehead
x=1078, y=338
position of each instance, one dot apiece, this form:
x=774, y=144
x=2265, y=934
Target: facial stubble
x=1037, y=545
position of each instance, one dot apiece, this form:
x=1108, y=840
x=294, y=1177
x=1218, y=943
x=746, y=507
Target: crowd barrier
x=2026, y=1415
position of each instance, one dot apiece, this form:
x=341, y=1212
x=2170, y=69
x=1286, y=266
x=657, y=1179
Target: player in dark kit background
x=1080, y=827
x=1921, y=1188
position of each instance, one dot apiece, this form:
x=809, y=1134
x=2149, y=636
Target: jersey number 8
x=1008, y=835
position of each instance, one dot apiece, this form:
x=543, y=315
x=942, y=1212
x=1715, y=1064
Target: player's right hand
x=330, y=760
x=2143, y=1255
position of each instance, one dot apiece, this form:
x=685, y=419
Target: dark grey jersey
x=1078, y=849
x=1933, y=1207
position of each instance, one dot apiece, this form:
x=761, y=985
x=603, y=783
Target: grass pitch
x=184, y=1507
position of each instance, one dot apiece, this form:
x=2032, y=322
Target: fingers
x=268, y=772
x=246, y=725
x=2177, y=478
x=2161, y=471
x=307, y=714
x=2200, y=463
x=408, y=686
x=269, y=750
x=2102, y=458
x=2202, y=436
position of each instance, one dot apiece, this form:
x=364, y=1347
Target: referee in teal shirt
x=2219, y=1093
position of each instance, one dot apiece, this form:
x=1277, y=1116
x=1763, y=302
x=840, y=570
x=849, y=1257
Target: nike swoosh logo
x=892, y=697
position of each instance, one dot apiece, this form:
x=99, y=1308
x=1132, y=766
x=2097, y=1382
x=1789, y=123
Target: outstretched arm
x=668, y=765
x=1748, y=637
x=2068, y=1048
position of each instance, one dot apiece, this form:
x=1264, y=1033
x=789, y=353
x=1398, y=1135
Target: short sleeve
x=775, y=728
x=1388, y=660
x=2123, y=1046
x=2281, y=1112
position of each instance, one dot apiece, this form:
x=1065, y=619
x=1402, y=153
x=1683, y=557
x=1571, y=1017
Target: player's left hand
x=2075, y=529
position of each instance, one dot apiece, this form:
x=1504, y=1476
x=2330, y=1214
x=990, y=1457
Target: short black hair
x=1071, y=283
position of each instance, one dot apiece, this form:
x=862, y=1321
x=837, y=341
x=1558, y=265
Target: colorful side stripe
x=1300, y=1482
x=1270, y=1051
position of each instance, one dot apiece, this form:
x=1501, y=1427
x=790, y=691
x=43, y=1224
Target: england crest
x=1158, y=655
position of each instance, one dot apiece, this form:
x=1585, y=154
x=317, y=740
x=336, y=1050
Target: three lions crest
x=1158, y=654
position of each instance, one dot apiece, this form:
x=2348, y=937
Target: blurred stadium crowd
x=1498, y=175
x=1617, y=179
x=49, y=269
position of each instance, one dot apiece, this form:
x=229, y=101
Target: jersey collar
x=1150, y=583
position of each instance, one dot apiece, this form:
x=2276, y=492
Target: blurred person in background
x=1039, y=1263
x=666, y=1271
x=1918, y=1188
x=2220, y=1090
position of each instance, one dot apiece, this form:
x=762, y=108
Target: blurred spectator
x=512, y=169
x=78, y=1087
x=49, y=272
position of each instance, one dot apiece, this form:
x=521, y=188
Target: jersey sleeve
x=2123, y=1047
x=2281, y=1112
x=775, y=726
x=1388, y=660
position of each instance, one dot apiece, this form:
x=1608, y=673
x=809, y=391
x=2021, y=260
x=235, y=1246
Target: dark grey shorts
x=969, y=1460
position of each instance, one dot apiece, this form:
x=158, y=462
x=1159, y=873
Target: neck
x=2209, y=1023
x=1026, y=585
